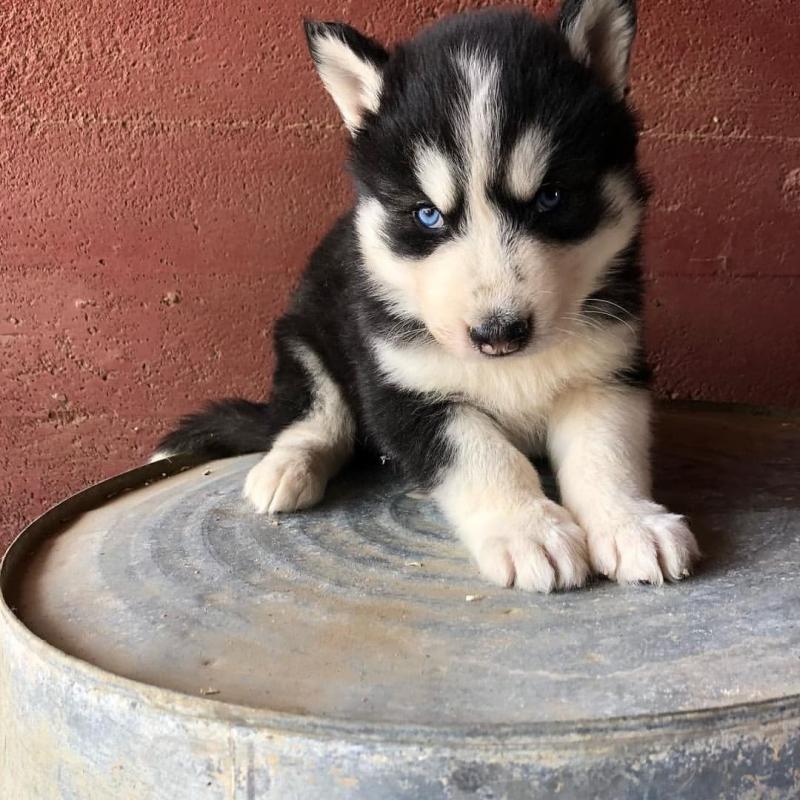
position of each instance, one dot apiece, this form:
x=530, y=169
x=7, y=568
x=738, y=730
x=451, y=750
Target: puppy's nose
x=499, y=336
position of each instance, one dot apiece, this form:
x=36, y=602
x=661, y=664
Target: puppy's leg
x=599, y=439
x=310, y=449
x=491, y=493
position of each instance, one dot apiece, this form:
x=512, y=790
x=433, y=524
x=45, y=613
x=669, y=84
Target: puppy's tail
x=224, y=428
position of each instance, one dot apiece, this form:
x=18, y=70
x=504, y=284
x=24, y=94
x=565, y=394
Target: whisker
x=608, y=303
x=599, y=312
x=586, y=322
x=624, y=322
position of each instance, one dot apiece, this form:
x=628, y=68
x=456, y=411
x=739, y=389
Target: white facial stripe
x=482, y=116
x=485, y=236
x=528, y=163
x=436, y=175
x=392, y=276
x=616, y=233
x=353, y=83
x=620, y=197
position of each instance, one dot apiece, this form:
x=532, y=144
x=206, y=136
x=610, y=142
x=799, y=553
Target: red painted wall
x=165, y=169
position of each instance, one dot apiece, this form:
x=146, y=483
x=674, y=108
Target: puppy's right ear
x=351, y=68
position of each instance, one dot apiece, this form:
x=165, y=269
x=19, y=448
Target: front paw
x=644, y=545
x=539, y=548
x=284, y=480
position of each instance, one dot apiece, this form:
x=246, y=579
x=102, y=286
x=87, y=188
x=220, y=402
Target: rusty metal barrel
x=159, y=640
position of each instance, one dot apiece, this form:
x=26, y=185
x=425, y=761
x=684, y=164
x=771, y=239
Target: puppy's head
x=495, y=159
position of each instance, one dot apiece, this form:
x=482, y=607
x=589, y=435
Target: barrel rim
x=483, y=736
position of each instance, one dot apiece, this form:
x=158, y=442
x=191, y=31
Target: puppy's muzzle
x=499, y=336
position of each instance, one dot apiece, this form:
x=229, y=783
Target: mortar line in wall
x=731, y=277
x=691, y=136
x=81, y=119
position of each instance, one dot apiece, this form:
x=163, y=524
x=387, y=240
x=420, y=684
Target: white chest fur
x=518, y=391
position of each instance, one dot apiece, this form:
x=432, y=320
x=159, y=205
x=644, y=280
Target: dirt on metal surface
x=360, y=636
x=358, y=609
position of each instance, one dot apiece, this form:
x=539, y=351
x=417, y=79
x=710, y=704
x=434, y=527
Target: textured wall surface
x=166, y=168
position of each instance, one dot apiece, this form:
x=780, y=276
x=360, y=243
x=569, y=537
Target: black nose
x=500, y=336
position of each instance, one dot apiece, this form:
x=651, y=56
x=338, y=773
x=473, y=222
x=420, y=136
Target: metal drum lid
x=366, y=609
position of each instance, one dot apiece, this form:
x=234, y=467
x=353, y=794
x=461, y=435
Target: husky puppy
x=481, y=303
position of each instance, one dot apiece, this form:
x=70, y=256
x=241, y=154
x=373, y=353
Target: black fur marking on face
x=637, y=375
x=424, y=100
x=621, y=296
x=406, y=237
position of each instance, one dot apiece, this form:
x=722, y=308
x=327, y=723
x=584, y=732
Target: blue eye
x=429, y=217
x=547, y=199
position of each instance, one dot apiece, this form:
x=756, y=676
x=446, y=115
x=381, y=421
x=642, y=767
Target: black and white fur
x=513, y=330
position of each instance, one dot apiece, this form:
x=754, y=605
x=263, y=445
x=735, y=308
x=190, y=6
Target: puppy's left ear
x=350, y=66
x=600, y=34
